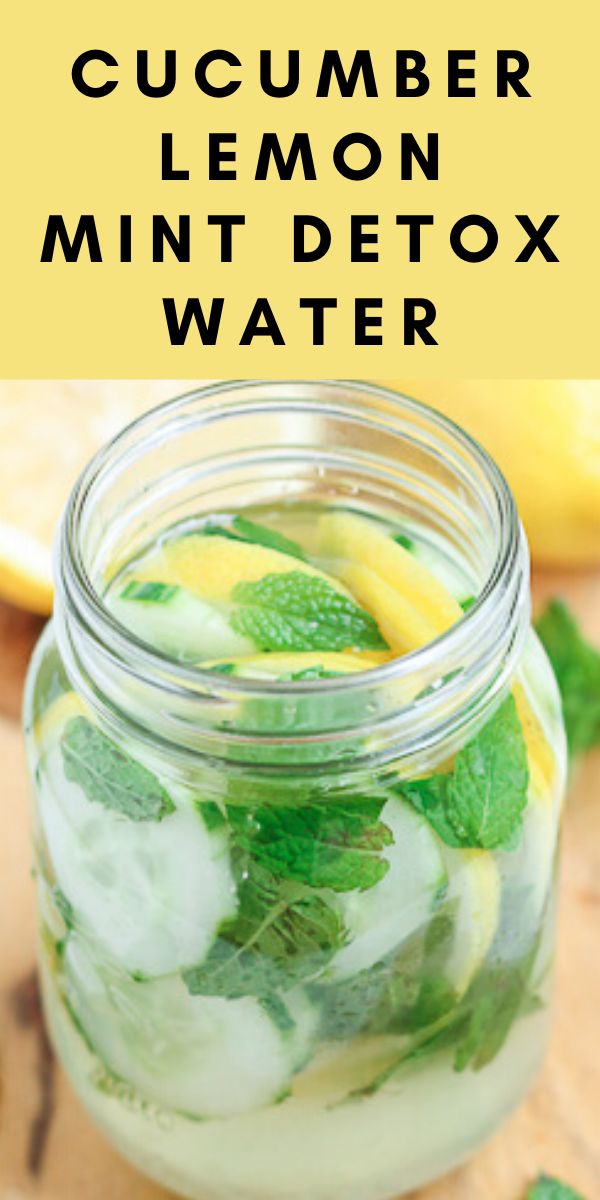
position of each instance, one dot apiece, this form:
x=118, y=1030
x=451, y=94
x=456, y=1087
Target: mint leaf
x=576, y=665
x=232, y=972
x=400, y=994
x=244, y=530
x=480, y=803
x=109, y=776
x=436, y=998
x=546, y=1188
x=151, y=592
x=294, y=611
x=347, y=1007
x=416, y=992
x=491, y=1007
x=487, y=791
x=435, y=995
x=334, y=845
x=284, y=921
x=430, y=798
x=212, y=816
x=282, y=933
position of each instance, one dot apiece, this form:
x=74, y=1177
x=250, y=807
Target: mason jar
x=296, y=934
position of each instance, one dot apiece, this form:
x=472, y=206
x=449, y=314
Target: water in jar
x=321, y=984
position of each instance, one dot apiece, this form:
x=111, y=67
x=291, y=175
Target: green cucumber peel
x=242, y=529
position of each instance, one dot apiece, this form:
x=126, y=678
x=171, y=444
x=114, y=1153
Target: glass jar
x=349, y=1042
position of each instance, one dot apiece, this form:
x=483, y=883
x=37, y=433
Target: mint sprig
x=496, y=997
x=474, y=1028
x=547, y=1188
x=479, y=804
x=297, y=611
x=109, y=776
x=336, y=844
x=282, y=934
x=576, y=665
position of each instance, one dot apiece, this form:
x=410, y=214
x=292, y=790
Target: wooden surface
x=49, y=1150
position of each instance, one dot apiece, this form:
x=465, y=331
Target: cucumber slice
x=542, y=690
x=527, y=875
x=152, y=893
x=474, y=895
x=380, y=919
x=199, y=1055
x=451, y=577
x=285, y=665
x=537, y=852
x=175, y=621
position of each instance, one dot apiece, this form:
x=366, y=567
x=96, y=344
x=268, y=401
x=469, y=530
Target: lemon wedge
x=49, y=429
x=540, y=431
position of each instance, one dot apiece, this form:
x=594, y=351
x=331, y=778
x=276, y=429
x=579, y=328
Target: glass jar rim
x=217, y=402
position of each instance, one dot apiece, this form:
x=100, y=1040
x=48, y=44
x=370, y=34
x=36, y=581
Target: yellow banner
x=333, y=189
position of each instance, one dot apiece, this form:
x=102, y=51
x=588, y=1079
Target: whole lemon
x=545, y=436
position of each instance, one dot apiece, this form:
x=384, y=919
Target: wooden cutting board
x=49, y=1150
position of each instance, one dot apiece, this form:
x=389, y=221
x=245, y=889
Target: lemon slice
x=402, y=625
x=475, y=890
x=49, y=429
x=49, y=726
x=210, y=567
x=542, y=763
x=538, y=431
x=527, y=872
x=182, y=596
x=412, y=607
x=358, y=541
